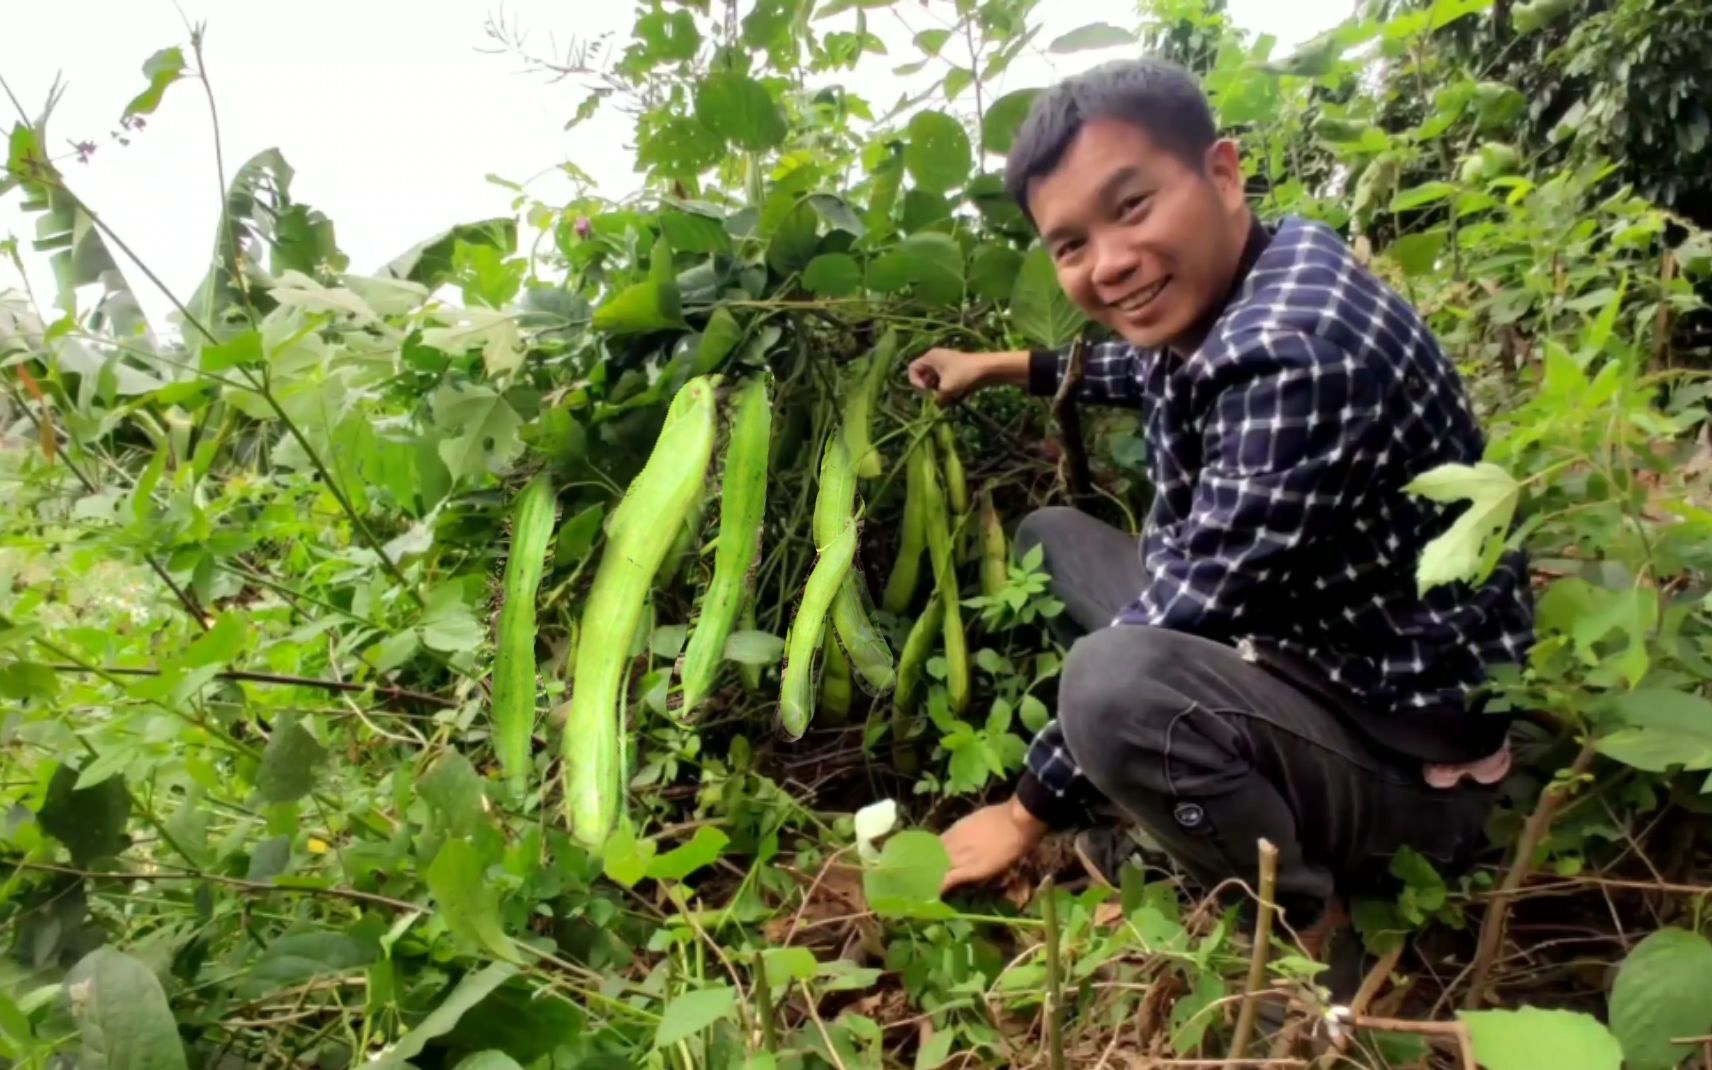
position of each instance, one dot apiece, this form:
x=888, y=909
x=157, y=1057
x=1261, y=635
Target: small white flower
x=872, y=822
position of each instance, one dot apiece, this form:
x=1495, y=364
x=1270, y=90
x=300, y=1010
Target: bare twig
x=1497, y=912
x=1073, y=469
x=1262, y=945
x=274, y=678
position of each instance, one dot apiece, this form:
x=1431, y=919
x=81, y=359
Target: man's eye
x=1132, y=205
x=1067, y=248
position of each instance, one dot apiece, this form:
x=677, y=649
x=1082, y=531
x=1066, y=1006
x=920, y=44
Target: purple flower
x=583, y=226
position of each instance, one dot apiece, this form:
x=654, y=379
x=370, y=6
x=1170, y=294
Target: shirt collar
x=1254, y=245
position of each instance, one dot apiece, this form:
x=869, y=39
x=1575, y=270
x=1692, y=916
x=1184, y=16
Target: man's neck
x=1254, y=243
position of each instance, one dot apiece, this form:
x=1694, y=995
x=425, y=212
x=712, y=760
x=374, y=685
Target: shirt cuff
x=1043, y=372
x=1056, y=811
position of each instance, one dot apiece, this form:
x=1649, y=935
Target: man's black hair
x=1154, y=94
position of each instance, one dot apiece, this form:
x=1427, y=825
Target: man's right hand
x=988, y=842
x=949, y=373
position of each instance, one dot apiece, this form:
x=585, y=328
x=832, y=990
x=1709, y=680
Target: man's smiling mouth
x=1140, y=299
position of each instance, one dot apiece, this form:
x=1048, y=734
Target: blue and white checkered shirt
x=1278, y=453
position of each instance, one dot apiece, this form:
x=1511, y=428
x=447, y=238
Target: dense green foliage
x=253, y=571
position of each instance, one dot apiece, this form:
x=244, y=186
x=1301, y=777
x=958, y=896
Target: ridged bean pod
x=514, y=659
x=956, y=486
x=912, y=541
x=862, y=387
x=796, y=683
x=995, y=556
x=937, y=521
x=834, y=684
x=742, y=507
x=639, y=533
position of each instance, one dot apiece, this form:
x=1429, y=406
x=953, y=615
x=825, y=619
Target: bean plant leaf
x=1093, y=35
x=453, y=791
x=1663, y=990
x=488, y=1060
x=754, y=648
x=936, y=267
x=481, y=429
x=833, y=275
x=290, y=763
x=1004, y=118
x=740, y=110
x=703, y=850
x=653, y=305
x=693, y=1012
x=122, y=1014
x=904, y=881
x=993, y=273
x=89, y=821
x=1469, y=548
x=1040, y=310
x=1531, y=1037
x=161, y=69
x=938, y=156
x=466, y=899
x=471, y=990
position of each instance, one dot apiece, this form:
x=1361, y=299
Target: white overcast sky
x=387, y=109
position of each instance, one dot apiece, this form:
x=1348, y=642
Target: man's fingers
x=923, y=375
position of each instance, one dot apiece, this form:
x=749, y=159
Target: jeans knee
x=1043, y=527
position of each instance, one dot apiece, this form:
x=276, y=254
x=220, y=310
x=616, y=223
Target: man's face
x=1144, y=243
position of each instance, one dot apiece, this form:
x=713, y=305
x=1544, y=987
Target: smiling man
x=1258, y=663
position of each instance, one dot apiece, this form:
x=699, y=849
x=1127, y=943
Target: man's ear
x=1224, y=169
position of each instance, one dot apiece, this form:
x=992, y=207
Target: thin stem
x=1262, y=945
x=274, y=678
x=1054, y=978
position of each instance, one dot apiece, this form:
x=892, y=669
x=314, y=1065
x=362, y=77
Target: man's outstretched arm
x=1109, y=373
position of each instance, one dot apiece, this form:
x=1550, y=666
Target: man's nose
x=1115, y=261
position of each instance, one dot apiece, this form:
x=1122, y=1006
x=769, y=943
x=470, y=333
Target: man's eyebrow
x=1107, y=192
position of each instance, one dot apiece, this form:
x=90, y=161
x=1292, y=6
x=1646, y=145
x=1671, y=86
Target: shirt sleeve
x=1297, y=430
x=1052, y=787
x=1110, y=374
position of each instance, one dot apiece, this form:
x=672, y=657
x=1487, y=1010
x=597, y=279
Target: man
x=1262, y=665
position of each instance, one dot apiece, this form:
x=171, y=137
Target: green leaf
x=1419, y=196
x=784, y=964
x=471, y=990
x=1004, y=118
x=938, y=156
x=993, y=274
x=1536, y=15
x=242, y=349
x=694, y=233
x=290, y=762
x=218, y=645
x=1676, y=711
x=740, y=110
x=624, y=858
x=936, y=267
x=491, y=1060
x=904, y=881
x=1467, y=548
x=1531, y=1038
x=1663, y=990
x=793, y=242
x=453, y=791
x=467, y=900
x=653, y=305
x=27, y=679
x=931, y=41
x=448, y=624
x=1445, y=12
x=1040, y=311
x=303, y=955
x=693, y=1012
x=481, y=429
x=702, y=851
x=1657, y=750
x=718, y=339
x=1194, y=1012
x=89, y=821
x=754, y=648
x=833, y=275
x=1093, y=35
x=161, y=69
x=269, y=859
x=1417, y=253
x=122, y=1014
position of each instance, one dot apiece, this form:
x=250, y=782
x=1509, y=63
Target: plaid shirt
x=1278, y=452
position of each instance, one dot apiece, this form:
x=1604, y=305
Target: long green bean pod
x=808, y=628
x=514, y=660
x=742, y=508
x=639, y=533
x=938, y=524
x=995, y=555
x=912, y=540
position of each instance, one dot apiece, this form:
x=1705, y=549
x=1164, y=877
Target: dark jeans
x=1210, y=752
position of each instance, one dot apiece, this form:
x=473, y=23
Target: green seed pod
x=912, y=540
x=995, y=556
x=796, y=684
x=514, y=659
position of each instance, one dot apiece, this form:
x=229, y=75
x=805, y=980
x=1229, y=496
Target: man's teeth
x=1140, y=298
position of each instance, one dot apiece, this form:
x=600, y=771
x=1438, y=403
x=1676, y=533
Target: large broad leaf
x=290, y=763
x=453, y=791
x=653, y=305
x=480, y=429
x=936, y=266
x=474, y=988
x=1663, y=990
x=1093, y=35
x=89, y=821
x=122, y=1014
x=1531, y=1039
x=793, y=241
x=161, y=69
x=938, y=155
x=1657, y=750
x=904, y=881
x=1040, y=310
x=468, y=902
x=1471, y=546
x=1004, y=118
x=833, y=275
x=740, y=110
x=692, y=1012
x=993, y=274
